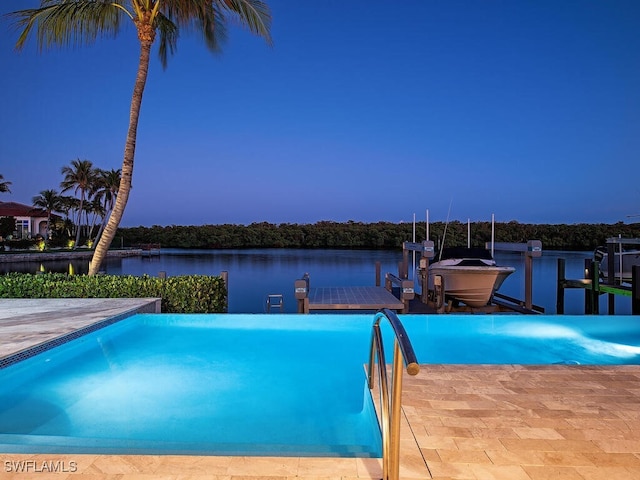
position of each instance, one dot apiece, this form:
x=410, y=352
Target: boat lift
x=436, y=298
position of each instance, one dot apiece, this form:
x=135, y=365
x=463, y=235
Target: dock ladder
x=390, y=401
x=275, y=300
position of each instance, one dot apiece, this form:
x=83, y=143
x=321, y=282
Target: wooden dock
x=149, y=249
x=594, y=287
x=351, y=298
x=348, y=298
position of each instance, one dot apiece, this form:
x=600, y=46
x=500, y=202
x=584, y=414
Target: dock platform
x=363, y=298
x=352, y=298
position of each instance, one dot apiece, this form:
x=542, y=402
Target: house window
x=22, y=228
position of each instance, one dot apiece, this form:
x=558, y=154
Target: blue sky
x=362, y=110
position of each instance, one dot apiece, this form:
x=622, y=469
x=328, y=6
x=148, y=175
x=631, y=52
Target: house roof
x=14, y=209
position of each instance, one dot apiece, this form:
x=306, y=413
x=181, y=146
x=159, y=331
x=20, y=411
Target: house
x=30, y=221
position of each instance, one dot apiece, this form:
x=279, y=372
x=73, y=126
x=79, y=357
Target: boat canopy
x=464, y=252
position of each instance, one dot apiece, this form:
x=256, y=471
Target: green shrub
x=182, y=294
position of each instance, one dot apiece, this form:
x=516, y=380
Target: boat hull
x=472, y=285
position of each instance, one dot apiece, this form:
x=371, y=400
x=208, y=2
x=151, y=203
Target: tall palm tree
x=80, y=177
x=48, y=200
x=4, y=186
x=63, y=22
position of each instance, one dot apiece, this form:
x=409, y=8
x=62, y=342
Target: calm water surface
x=256, y=273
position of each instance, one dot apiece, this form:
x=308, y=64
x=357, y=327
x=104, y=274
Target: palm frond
x=254, y=14
x=201, y=16
x=68, y=22
x=169, y=33
x=213, y=26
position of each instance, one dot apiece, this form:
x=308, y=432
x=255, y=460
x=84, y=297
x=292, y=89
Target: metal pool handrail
x=390, y=404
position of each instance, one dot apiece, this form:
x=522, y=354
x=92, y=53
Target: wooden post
x=378, y=269
x=611, y=278
x=635, y=290
x=407, y=294
x=560, y=287
x=588, y=292
x=301, y=292
x=405, y=264
x=595, y=286
x=528, y=282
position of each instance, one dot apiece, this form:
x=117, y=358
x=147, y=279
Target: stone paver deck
x=471, y=422
x=27, y=323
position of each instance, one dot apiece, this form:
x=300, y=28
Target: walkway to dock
x=366, y=298
x=352, y=298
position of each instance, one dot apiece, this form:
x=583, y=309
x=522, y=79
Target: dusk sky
x=362, y=110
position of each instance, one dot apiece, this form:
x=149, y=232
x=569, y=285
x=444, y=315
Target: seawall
x=64, y=255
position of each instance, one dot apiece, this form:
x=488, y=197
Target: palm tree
x=4, y=186
x=48, y=200
x=80, y=177
x=64, y=22
x=95, y=209
x=108, y=186
x=68, y=204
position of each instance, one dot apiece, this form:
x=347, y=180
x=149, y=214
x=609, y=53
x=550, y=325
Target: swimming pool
x=525, y=339
x=259, y=384
x=197, y=384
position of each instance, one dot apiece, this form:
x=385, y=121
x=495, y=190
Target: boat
x=470, y=275
x=626, y=259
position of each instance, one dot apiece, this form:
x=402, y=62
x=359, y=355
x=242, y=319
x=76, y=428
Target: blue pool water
x=205, y=384
x=259, y=384
x=524, y=339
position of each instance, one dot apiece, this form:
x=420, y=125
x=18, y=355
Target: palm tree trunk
x=103, y=222
x=127, y=163
x=80, y=208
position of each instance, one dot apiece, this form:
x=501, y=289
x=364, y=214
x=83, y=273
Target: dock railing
x=390, y=401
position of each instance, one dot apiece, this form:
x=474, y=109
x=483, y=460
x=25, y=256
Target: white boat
x=626, y=259
x=470, y=275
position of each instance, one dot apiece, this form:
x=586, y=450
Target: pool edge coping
x=151, y=306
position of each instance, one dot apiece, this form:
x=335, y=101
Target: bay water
x=256, y=273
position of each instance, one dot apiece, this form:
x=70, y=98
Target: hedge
x=180, y=294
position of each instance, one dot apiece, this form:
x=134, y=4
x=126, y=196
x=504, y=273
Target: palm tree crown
x=4, y=186
x=80, y=177
x=48, y=200
x=81, y=22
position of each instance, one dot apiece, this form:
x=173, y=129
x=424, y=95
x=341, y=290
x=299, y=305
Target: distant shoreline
x=63, y=255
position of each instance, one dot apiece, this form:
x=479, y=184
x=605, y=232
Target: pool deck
x=475, y=422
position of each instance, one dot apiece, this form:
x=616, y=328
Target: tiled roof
x=13, y=209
